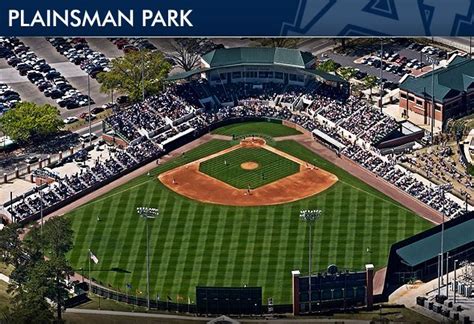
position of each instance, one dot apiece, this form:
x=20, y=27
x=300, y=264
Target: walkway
x=205, y=319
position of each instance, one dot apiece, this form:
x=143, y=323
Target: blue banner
x=242, y=18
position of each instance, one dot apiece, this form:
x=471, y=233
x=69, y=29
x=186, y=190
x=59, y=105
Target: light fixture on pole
x=142, y=74
x=433, y=104
x=381, y=74
x=310, y=217
x=439, y=274
x=41, y=212
x=447, y=274
x=148, y=213
x=442, y=243
x=89, y=107
x=455, y=283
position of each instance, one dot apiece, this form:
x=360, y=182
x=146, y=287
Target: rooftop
x=428, y=248
x=449, y=81
x=224, y=57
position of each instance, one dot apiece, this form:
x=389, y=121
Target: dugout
x=416, y=258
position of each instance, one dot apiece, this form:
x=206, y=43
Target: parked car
x=87, y=136
x=70, y=120
x=97, y=110
x=31, y=159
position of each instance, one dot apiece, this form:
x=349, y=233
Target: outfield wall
x=173, y=306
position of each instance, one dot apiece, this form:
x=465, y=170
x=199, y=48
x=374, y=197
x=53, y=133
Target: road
x=9, y=163
x=462, y=43
x=183, y=319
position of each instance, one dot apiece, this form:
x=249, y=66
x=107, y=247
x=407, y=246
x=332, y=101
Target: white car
x=87, y=136
x=70, y=120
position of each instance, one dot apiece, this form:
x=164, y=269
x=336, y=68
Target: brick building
x=453, y=92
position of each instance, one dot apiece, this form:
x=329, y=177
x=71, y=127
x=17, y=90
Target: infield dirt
x=188, y=181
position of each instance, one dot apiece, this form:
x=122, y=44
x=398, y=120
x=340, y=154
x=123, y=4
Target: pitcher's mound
x=188, y=181
x=249, y=165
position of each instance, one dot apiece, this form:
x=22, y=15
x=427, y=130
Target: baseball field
x=195, y=243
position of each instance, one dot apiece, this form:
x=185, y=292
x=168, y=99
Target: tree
x=109, y=84
x=186, y=54
x=36, y=278
x=27, y=280
x=29, y=121
x=279, y=42
x=29, y=304
x=127, y=73
x=327, y=66
x=58, y=234
x=370, y=81
x=347, y=73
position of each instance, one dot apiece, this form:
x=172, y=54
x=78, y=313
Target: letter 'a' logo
x=381, y=17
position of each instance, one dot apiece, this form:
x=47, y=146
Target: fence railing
x=172, y=306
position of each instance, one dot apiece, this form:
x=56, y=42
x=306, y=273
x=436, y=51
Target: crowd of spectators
x=439, y=164
x=147, y=125
x=70, y=185
x=433, y=196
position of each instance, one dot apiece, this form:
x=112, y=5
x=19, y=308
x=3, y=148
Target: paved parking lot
x=104, y=46
x=348, y=60
x=72, y=72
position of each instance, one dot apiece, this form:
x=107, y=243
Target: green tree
x=29, y=304
x=58, y=240
x=327, y=66
x=28, y=280
x=370, y=81
x=128, y=72
x=36, y=278
x=346, y=73
x=29, y=121
x=109, y=84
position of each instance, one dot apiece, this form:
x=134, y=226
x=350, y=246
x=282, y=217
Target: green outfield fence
x=164, y=304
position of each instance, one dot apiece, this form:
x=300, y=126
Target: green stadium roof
x=325, y=75
x=429, y=247
x=457, y=77
x=225, y=57
x=185, y=74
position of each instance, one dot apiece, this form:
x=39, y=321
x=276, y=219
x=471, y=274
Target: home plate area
x=250, y=173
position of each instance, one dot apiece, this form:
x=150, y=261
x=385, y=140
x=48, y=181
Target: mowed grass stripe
x=108, y=240
x=186, y=233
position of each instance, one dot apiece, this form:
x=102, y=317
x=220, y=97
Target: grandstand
x=164, y=122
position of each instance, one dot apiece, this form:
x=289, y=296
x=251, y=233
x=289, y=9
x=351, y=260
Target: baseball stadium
x=208, y=183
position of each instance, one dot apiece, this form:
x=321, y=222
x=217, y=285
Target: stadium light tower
x=148, y=213
x=310, y=217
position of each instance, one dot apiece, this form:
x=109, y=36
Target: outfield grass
x=271, y=167
x=201, y=244
x=262, y=128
